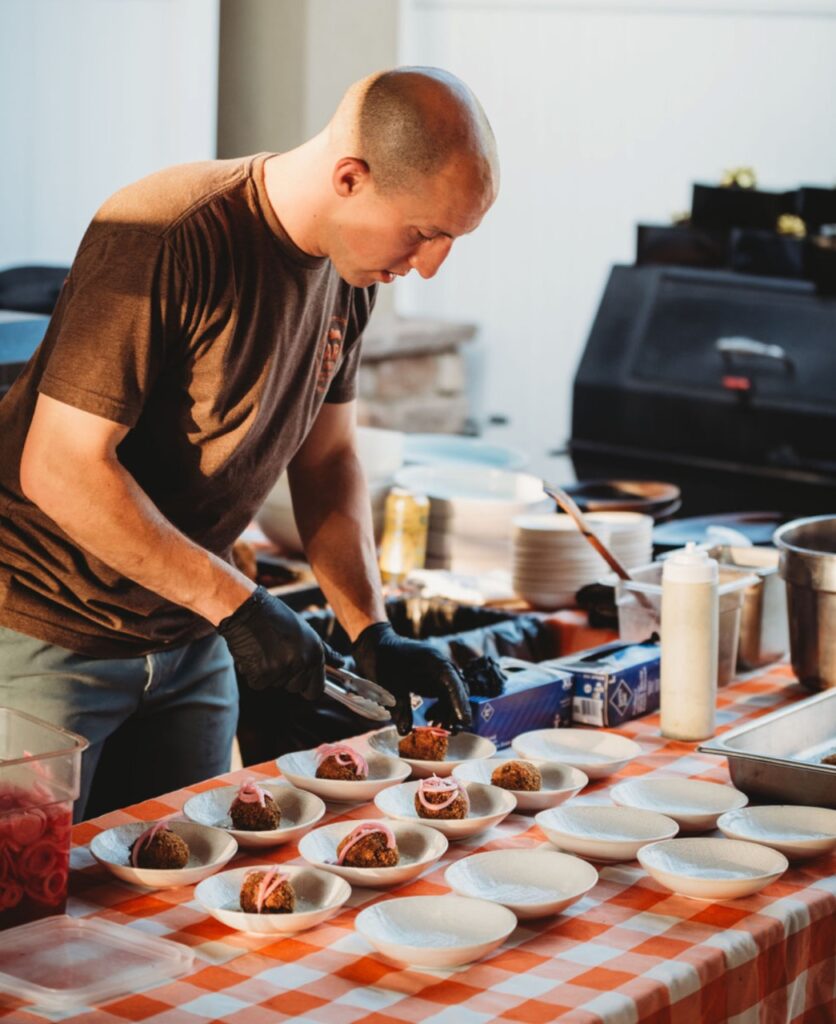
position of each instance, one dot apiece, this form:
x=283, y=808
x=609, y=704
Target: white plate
x=488, y=806
x=419, y=847
x=464, y=746
x=797, y=832
x=435, y=931
x=560, y=782
x=595, y=752
x=299, y=812
x=438, y=449
x=604, y=833
x=300, y=769
x=712, y=869
x=532, y=883
x=209, y=850
x=319, y=895
x=694, y=805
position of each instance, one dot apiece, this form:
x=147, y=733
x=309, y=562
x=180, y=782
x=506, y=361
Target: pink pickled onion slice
x=27, y=826
x=433, y=730
x=38, y=860
x=10, y=895
x=368, y=828
x=55, y=885
x=144, y=840
x=251, y=793
x=344, y=755
x=270, y=882
x=436, y=786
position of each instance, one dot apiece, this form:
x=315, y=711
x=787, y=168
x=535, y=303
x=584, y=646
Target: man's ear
x=350, y=175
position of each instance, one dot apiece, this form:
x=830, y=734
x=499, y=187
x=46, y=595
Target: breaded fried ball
x=332, y=769
x=521, y=775
x=369, y=852
x=281, y=901
x=424, y=745
x=252, y=817
x=165, y=849
x=453, y=812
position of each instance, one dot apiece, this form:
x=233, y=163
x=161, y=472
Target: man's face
x=379, y=236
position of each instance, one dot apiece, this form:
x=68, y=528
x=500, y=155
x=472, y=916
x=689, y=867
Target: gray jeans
x=154, y=723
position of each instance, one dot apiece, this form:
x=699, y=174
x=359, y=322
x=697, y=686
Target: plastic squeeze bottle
x=689, y=628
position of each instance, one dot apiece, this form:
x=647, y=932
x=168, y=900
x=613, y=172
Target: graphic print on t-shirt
x=332, y=346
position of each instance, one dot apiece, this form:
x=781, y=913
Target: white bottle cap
x=690, y=565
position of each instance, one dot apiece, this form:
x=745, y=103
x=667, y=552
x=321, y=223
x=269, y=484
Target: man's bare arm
x=331, y=503
x=70, y=469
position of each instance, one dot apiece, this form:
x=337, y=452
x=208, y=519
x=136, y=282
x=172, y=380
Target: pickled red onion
x=144, y=840
x=433, y=730
x=344, y=755
x=251, y=793
x=368, y=828
x=270, y=881
x=438, y=786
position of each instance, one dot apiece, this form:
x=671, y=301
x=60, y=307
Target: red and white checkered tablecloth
x=628, y=952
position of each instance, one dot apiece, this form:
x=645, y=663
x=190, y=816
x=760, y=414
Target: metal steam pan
x=778, y=758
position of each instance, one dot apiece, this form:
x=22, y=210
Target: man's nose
x=429, y=256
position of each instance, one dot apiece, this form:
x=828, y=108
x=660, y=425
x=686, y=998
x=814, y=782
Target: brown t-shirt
x=191, y=317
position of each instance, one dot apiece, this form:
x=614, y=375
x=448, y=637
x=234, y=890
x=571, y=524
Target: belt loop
x=149, y=662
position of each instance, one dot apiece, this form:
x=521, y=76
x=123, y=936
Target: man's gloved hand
x=272, y=646
x=405, y=667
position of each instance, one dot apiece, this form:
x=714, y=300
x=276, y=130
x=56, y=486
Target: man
x=207, y=337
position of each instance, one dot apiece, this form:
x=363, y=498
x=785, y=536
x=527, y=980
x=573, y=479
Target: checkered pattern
x=628, y=952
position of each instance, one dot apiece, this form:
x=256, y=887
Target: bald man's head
x=409, y=123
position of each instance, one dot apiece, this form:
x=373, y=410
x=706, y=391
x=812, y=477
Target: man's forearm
x=103, y=509
x=335, y=522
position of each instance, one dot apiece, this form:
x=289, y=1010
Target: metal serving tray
x=778, y=757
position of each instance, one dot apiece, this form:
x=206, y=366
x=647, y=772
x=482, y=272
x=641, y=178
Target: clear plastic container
x=638, y=619
x=40, y=770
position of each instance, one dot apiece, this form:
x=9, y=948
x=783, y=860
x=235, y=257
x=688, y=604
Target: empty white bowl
x=319, y=896
x=464, y=746
x=604, y=833
x=595, y=752
x=435, y=931
x=209, y=849
x=418, y=846
x=300, y=769
x=488, y=806
x=531, y=883
x=797, y=832
x=299, y=812
x=560, y=782
x=712, y=869
x=693, y=804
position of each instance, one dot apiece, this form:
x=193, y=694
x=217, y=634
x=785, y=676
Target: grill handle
x=740, y=346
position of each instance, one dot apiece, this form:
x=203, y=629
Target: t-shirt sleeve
x=344, y=385
x=123, y=304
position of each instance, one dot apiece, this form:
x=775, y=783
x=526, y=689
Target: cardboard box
x=536, y=696
x=613, y=683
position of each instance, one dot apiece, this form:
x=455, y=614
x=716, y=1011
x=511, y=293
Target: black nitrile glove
x=405, y=667
x=272, y=646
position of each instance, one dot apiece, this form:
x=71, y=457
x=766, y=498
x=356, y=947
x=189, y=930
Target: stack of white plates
x=472, y=509
x=552, y=560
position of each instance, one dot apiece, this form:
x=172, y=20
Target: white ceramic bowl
x=299, y=810
x=488, y=806
x=797, y=832
x=693, y=804
x=560, y=782
x=319, y=896
x=464, y=746
x=419, y=847
x=209, y=850
x=532, y=883
x=435, y=931
x=604, y=833
x=595, y=752
x=712, y=869
x=300, y=769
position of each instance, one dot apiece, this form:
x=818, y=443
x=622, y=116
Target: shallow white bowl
x=797, y=832
x=604, y=833
x=464, y=746
x=693, y=804
x=488, y=806
x=319, y=895
x=300, y=769
x=209, y=850
x=435, y=931
x=560, y=782
x=595, y=752
x=532, y=883
x=712, y=869
x=419, y=847
x=299, y=812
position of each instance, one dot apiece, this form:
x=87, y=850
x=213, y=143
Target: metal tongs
x=359, y=695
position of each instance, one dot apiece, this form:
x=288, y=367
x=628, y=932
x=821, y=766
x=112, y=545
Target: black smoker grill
x=722, y=383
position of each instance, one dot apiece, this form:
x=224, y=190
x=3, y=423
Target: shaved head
x=411, y=122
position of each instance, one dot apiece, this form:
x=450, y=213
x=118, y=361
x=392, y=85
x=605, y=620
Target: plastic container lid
x=62, y=963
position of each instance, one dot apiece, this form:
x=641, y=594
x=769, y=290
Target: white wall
x=605, y=113
x=95, y=94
